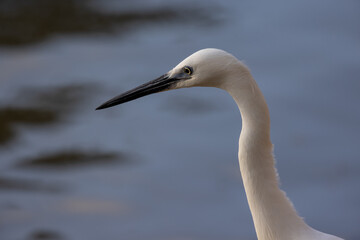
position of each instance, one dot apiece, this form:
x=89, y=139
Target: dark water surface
x=165, y=167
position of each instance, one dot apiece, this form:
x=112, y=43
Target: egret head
x=205, y=68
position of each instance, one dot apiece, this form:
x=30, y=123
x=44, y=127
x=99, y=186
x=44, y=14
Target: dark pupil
x=187, y=71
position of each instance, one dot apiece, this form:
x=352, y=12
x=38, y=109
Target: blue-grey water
x=165, y=167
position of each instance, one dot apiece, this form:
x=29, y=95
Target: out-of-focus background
x=165, y=167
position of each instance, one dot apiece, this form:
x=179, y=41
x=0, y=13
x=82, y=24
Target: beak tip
x=100, y=107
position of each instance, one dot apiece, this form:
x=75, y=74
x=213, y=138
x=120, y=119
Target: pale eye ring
x=188, y=70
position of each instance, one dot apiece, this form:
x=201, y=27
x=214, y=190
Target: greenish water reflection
x=33, y=21
x=10, y=116
x=42, y=108
x=71, y=158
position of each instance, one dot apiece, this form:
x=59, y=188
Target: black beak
x=160, y=84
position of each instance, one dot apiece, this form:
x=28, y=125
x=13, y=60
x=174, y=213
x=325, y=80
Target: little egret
x=273, y=214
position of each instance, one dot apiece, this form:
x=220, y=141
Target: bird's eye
x=188, y=70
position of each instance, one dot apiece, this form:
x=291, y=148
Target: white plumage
x=273, y=214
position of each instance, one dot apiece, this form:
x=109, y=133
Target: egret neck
x=273, y=214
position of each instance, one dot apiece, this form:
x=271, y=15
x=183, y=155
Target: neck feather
x=273, y=214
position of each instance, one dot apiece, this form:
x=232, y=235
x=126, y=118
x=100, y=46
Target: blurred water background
x=165, y=167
